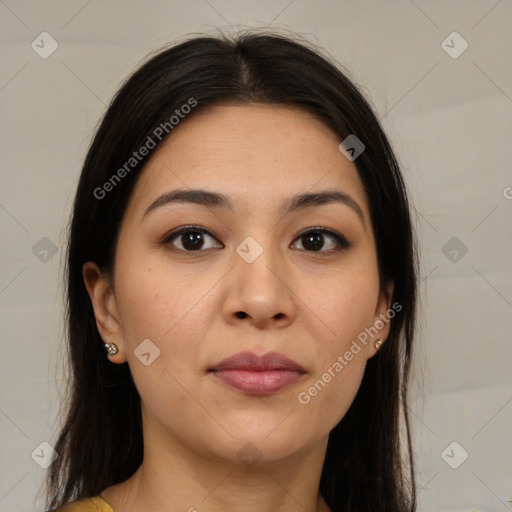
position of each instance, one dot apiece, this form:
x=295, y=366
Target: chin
x=262, y=439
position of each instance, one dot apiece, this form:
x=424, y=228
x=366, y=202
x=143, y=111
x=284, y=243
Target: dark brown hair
x=100, y=443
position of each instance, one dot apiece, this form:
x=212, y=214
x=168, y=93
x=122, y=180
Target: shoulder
x=94, y=504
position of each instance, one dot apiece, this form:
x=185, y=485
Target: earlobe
x=103, y=302
x=382, y=319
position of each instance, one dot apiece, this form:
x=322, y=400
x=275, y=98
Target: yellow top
x=94, y=504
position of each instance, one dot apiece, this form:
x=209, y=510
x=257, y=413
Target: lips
x=255, y=374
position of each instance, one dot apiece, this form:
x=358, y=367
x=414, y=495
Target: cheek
x=148, y=306
x=170, y=309
x=330, y=394
x=346, y=306
x=168, y=305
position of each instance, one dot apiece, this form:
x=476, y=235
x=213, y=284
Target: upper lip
x=255, y=362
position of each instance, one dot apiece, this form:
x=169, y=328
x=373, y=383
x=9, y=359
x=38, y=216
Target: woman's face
x=245, y=277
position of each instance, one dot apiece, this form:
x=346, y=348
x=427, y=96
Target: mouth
x=258, y=375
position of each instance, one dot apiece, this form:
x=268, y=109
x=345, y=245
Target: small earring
x=111, y=348
x=378, y=343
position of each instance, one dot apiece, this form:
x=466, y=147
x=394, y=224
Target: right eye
x=190, y=238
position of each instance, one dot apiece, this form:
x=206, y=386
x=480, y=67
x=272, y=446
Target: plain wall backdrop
x=439, y=75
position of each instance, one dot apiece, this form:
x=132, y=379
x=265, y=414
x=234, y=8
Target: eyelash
x=341, y=241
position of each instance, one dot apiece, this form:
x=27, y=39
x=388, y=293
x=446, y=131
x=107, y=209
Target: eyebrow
x=217, y=200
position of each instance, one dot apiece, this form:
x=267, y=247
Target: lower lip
x=258, y=382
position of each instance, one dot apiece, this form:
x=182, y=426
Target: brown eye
x=316, y=239
x=190, y=239
x=195, y=239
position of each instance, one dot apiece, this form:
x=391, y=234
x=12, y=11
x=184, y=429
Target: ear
x=382, y=318
x=103, y=301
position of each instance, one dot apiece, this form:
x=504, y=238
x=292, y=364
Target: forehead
x=256, y=154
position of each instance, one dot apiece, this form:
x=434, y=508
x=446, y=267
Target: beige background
x=450, y=120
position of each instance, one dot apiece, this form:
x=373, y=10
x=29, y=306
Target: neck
x=172, y=477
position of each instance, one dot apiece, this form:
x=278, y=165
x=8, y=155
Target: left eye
x=313, y=240
x=193, y=238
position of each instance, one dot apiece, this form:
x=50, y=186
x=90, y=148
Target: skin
x=308, y=305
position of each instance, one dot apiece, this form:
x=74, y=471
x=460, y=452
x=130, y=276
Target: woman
x=241, y=293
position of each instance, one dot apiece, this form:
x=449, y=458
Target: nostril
x=241, y=314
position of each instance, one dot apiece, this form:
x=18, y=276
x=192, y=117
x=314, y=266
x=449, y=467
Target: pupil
x=192, y=240
x=316, y=242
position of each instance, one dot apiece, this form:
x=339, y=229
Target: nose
x=260, y=293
